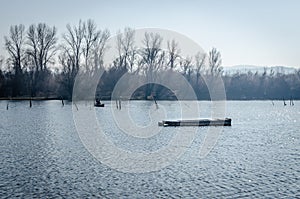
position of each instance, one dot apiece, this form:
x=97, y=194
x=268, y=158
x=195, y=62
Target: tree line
x=41, y=63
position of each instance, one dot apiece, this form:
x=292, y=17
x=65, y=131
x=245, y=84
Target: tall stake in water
x=62, y=101
x=120, y=104
x=291, y=102
x=155, y=102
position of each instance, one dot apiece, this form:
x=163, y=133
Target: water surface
x=42, y=155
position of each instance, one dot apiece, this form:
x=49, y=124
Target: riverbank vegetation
x=41, y=63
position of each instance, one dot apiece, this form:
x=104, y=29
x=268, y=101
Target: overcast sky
x=252, y=32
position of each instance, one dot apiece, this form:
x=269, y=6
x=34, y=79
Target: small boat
x=99, y=105
x=197, y=122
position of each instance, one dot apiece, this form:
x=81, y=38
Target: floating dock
x=197, y=122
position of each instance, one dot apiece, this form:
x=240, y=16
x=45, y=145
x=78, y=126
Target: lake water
x=42, y=155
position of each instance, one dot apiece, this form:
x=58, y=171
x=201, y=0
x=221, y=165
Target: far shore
x=108, y=99
x=30, y=98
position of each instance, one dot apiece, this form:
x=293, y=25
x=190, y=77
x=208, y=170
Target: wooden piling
x=155, y=102
x=291, y=101
x=120, y=104
x=76, y=106
x=62, y=101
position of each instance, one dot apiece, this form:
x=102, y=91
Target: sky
x=246, y=32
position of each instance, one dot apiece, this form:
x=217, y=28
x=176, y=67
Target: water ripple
x=258, y=157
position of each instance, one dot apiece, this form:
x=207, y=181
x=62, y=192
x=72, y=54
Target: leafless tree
x=41, y=40
x=99, y=48
x=90, y=36
x=71, y=55
x=153, y=57
x=126, y=49
x=186, y=66
x=173, y=53
x=215, y=62
x=14, y=44
x=200, y=59
x=42, y=45
x=73, y=42
x=68, y=77
x=83, y=49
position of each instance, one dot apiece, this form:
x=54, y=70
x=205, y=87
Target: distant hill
x=259, y=69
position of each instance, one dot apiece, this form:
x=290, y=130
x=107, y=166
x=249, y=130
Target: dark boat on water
x=98, y=103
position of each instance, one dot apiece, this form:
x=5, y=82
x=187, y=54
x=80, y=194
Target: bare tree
x=42, y=45
x=152, y=59
x=215, y=62
x=73, y=42
x=173, y=53
x=91, y=36
x=14, y=44
x=99, y=48
x=153, y=56
x=83, y=49
x=67, y=80
x=70, y=57
x=187, y=67
x=126, y=49
x=41, y=40
x=200, y=59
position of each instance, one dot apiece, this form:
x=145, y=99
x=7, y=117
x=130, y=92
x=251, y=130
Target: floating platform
x=197, y=122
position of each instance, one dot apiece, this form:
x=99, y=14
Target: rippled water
x=42, y=155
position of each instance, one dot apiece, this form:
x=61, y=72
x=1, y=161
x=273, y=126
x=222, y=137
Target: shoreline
x=58, y=98
x=30, y=98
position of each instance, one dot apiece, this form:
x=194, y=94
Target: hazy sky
x=254, y=32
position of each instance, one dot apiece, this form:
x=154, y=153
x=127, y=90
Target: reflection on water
x=42, y=155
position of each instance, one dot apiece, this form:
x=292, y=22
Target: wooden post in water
x=291, y=101
x=7, y=105
x=30, y=103
x=62, y=101
x=155, y=102
x=120, y=104
x=76, y=106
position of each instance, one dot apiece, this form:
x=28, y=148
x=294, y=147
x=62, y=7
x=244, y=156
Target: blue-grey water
x=42, y=156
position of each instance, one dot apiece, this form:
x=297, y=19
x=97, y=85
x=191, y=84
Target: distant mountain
x=259, y=69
